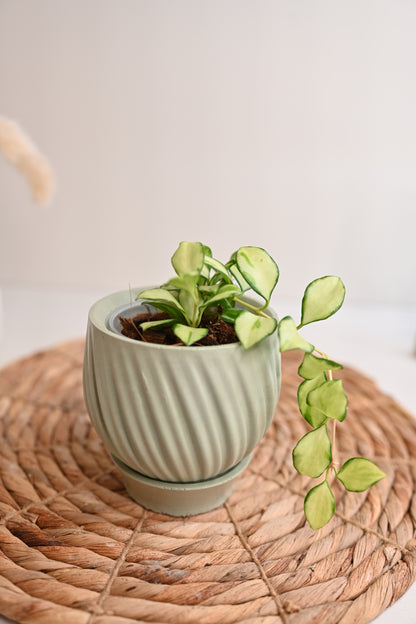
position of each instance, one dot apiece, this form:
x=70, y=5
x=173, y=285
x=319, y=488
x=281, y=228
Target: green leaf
x=188, y=295
x=290, y=338
x=258, y=269
x=312, y=366
x=188, y=259
x=189, y=335
x=244, y=285
x=330, y=399
x=156, y=296
x=224, y=292
x=319, y=505
x=208, y=289
x=218, y=268
x=155, y=324
x=190, y=306
x=313, y=454
x=185, y=282
x=313, y=416
x=230, y=314
x=204, y=274
x=251, y=328
x=173, y=313
x=322, y=298
x=358, y=474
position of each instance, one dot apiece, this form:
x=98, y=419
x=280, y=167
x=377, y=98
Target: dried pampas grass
x=24, y=155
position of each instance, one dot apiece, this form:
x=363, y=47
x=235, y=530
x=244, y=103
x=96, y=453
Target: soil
x=219, y=331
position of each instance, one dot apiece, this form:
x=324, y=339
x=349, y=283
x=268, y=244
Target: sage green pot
x=180, y=422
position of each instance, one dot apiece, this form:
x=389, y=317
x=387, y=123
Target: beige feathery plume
x=24, y=155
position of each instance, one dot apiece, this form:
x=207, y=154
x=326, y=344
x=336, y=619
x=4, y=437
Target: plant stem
x=334, y=422
x=251, y=307
x=324, y=355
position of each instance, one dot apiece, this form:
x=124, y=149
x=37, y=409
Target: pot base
x=180, y=499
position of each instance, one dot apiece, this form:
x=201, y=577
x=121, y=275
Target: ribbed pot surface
x=178, y=414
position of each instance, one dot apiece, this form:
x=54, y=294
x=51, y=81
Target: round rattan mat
x=74, y=548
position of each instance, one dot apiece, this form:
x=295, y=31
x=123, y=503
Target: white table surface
x=380, y=341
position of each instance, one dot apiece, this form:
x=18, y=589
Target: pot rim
x=101, y=311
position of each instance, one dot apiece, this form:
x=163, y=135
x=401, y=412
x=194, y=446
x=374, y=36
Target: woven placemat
x=74, y=548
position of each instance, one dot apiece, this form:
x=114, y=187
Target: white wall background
x=289, y=124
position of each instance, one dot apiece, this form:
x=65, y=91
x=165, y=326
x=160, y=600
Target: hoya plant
x=203, y=285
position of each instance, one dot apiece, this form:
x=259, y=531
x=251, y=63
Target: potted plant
x=181, y=382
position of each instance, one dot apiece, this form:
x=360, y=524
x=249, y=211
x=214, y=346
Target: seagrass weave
x=75, y=549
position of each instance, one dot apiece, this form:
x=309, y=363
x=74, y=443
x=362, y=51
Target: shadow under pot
x=180, y=422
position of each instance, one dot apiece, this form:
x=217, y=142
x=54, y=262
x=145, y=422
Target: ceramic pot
x=179, y=422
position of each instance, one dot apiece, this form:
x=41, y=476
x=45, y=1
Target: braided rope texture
x=75, y=549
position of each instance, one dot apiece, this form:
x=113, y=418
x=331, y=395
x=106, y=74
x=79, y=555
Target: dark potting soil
x=219, y=331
